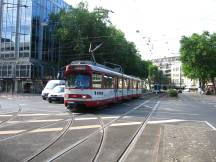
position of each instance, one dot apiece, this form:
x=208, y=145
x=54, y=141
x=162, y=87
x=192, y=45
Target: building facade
x=172, y=68
x=29, y=52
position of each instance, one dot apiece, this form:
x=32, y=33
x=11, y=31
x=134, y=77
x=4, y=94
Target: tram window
x=108, y=81
x=125, y=83
x=78, y=81
x=115, y=82
x=128, y=84
x=134, y=85
x=119, y=83
x=96, y=80
x=131, y=84
x=139, y=85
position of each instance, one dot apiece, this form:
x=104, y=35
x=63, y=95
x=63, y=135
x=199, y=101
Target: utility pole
x=17, y=41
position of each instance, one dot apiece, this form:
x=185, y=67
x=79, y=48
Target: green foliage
x=78, y=28
x=172, y=93
x=198, y=56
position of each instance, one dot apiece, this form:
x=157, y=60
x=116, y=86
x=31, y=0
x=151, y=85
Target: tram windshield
x=78, y=81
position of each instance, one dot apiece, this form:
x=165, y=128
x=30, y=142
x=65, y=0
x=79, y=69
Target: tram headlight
x=66, y=96
x=84, y=96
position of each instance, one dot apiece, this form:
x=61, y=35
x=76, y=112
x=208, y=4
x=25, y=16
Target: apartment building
x=172, y=68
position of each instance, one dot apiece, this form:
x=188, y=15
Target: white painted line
x=33, y=115
x=210, y=125
x=110, y=117
x=22, y=104
x=54, y=120
x=165, y=121
x=5, y=115
x=60, y=114
x=85, y=127
x=125, y=124
x=46, y=130
x=175, y=113
x=11, y=132
x=94, y=118
x=80, y=119
x=71, y=128
x=148, y=106
x=36, y=121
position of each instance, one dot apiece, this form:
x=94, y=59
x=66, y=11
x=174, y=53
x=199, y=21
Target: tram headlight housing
x=66, y=96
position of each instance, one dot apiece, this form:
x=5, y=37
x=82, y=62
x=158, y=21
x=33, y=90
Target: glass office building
x=29, y=51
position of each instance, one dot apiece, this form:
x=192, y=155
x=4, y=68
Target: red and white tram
x=93, y=85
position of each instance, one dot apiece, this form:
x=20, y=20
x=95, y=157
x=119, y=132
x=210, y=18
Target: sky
x=156, y=26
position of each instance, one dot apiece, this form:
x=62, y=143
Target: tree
x=78, y=28
x=198, y=56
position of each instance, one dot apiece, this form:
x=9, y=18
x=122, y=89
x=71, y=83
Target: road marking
x=125, y=124
x=210, y=125
x=165, y=121
x=5, y=115
x=60, y=114
x=176, y=113
x=46, y=130
x=71, y=128
x=179, y=120
x=54, y=120
x=94, y=118
x=11, y=132
x=148, y=106
x=36, y=121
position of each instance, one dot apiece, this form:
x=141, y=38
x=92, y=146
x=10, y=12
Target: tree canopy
x=77, y=28
x=198, y=56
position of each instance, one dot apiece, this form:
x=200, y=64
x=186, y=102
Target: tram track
x=101, y=141
x=102, y=128
x=59, y=136
x=53, y=141
x=11, y=123
x=30, y=130
x=135, y=137
x=14, y=115
x=66, y=128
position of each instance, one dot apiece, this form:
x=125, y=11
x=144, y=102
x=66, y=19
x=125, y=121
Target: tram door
x=116, y=88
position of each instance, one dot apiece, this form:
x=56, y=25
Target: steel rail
x=61, y=153
x=101, y=141
x=14, y=115
x=54, y=140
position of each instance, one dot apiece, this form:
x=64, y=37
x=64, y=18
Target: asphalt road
x=151, y=128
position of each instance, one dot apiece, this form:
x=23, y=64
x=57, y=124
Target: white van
x=49, y=86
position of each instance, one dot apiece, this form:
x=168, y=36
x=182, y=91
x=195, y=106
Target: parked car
x=49, y=87
x=57, y=94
